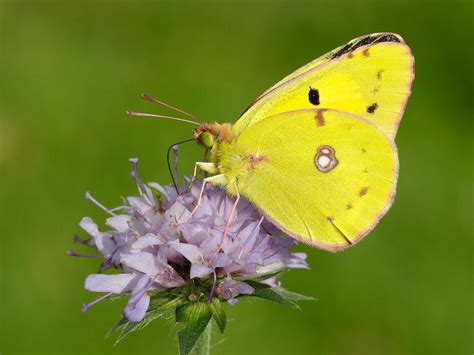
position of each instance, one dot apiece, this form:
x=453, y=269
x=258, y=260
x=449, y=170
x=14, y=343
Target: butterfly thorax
x=224, y=159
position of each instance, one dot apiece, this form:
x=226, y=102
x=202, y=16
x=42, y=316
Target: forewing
x=371, y=76
x=323, y=176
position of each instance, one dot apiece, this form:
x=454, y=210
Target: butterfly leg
x=207, y=167
x=191, y=183
x=216, y=179
x=229, y=220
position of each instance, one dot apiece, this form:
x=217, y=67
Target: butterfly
x=315, y=153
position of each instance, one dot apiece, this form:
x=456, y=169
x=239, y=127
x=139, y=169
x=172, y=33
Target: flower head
x=155, y=244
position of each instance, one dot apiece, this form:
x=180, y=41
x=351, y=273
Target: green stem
x=203, y=345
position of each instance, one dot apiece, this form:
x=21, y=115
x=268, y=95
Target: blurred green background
x=69, y=70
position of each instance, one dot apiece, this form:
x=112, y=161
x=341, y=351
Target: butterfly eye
x=207, y=139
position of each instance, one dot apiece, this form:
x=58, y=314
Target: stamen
x=73, y=253
x=138, y=215
x=211, y=294
x=77, y=239
x=98, y=204
x=105, y=265
x=140, y=184
x=175, y=163
x=168, y=161
x=85, y=307
x=136, y=297
x=120, y=208
x=108, y=262
x=134, y=174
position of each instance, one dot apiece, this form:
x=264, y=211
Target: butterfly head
x=208, y=134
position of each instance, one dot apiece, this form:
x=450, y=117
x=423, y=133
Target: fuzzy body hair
x=222, y=132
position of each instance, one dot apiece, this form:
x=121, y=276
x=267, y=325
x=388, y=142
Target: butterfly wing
x=371, y=76
x=324, y=177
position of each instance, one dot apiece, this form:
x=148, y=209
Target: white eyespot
x=324, y=161
x=325, y=158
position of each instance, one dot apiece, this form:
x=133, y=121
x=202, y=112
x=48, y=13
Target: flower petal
x=139, y=203
x=177, y=213
x=141, y=261
x=199, y=270
x=103, y=241
x=148, y=240
x=89, y=226
x=110, y=283
x=168, y=277
x=230, y=288
x=190, y=252
x=162, y=190
x=136, y=312
x=119, y=222
x=139, y=301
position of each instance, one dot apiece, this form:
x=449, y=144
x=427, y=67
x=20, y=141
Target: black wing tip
x=385, y=37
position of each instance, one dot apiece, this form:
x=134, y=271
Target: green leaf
x=257, y=285
x=293, y=296
x=165, y=303
x=218, y=313
x=260, y=277
x=270, y=295
x=126, y=330
x=155, y=294
x=266, y=292
x=195, y=317
x=161, y=308
x=120, y=324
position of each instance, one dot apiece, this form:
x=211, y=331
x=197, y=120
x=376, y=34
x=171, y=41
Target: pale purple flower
x=155, y=244
x=230, y=288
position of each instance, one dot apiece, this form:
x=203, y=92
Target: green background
x=69, y=70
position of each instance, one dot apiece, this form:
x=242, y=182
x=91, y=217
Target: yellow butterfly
x=315, y=153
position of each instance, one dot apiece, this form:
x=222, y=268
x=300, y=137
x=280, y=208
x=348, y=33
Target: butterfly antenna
x=141, y=114
x=152, y=99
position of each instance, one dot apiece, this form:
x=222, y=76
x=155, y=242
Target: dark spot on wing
x=363, y=191
x=349, y=206
x=363, y=150
x=320, y=121
x=352, y=46
x=313, y=96
x=379, y=74
x=372, y=108
x=365, y=52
